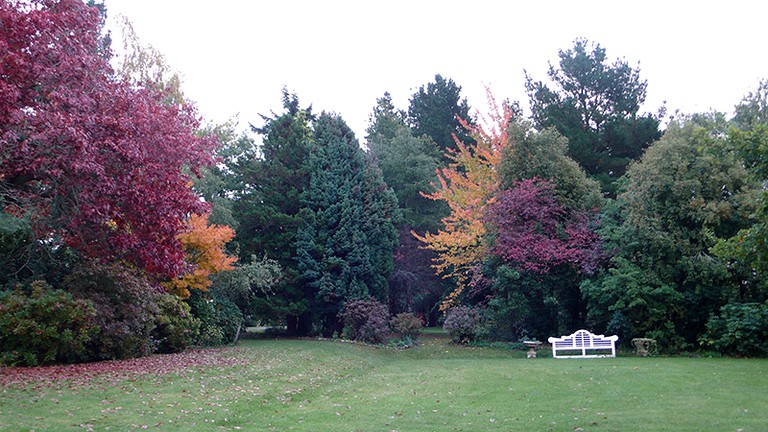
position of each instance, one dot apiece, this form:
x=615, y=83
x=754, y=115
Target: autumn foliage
x=468, y=185
x=205, y=254
x=535, y=233
x=91, y=159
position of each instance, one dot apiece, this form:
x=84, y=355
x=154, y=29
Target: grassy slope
x=331, y=386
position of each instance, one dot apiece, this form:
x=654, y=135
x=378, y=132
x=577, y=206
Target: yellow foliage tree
x=204, y=251
x=468, y=185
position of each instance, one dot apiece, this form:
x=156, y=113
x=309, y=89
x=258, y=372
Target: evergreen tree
x=270, y=183
x=408, y=165
x=436, y=110
x=345, y=245
x=596, y=106
x=381, y=211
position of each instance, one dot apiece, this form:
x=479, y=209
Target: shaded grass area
x=307, y=385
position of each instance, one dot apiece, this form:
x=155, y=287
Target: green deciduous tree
x=686, y=191
x=544, y=154
x=145, y=66
x=752, y=111
x=748, y=249
x=596, y=106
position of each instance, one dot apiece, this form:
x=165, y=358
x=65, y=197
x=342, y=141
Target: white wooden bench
x=583, y=344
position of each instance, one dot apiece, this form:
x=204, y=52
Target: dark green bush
x=43, y=325
x=461, y=324
x=740, y=330
x=126, y=305
x=219, y=318
x=175, y=327
x=365, y=320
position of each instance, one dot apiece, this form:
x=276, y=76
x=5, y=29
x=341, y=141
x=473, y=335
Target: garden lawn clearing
x=310, y=385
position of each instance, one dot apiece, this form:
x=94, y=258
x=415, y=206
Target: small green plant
x=42, y=325
x=219, y=318
x=175, y=327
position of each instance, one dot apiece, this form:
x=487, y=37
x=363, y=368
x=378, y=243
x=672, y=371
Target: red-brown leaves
x=93, y=160
x=535, y=233
x=115, y=371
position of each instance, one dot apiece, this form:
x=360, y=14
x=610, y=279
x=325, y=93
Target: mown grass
x=307, y=385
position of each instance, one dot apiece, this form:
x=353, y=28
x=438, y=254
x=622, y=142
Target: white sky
x=236, y=55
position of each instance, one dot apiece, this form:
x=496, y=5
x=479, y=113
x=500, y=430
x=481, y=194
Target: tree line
x=128, y=227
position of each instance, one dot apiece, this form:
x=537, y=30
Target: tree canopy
x=437, y=110
x=125, y=219
x=596, y=106
x=92, y=161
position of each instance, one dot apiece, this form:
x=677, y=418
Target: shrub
x=219, y=318
x=406, y=324
x=741, y=329
x=175, y=327
x=43, y=325
x=365, y=320
x=461, y=324
x=126, y=304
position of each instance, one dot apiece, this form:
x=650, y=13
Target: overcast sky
x=235, y=56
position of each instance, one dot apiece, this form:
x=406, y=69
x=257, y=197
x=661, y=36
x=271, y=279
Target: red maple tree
x=535, y=233
x=89, y=158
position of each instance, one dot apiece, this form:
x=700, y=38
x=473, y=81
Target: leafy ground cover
x=307, y=385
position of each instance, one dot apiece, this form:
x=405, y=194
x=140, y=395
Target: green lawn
x=306, y=385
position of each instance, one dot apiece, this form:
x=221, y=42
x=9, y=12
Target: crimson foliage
x=93, y=160
x=535, y=233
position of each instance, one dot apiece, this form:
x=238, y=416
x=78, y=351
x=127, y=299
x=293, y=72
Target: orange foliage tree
x=468, y=185
x=204, y=252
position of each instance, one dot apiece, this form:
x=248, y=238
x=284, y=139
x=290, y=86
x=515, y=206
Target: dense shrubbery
x=365, y=320
x=42, y=325
x=219, y=318
x=741, y=329
x=175, y=326
x=126, y=306
x=461, y=324
x=134, y=317
x=406, y=325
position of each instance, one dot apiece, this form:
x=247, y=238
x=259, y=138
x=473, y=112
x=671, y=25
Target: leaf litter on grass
x=111, y=372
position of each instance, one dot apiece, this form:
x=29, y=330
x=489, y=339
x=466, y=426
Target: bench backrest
x=583, y=339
